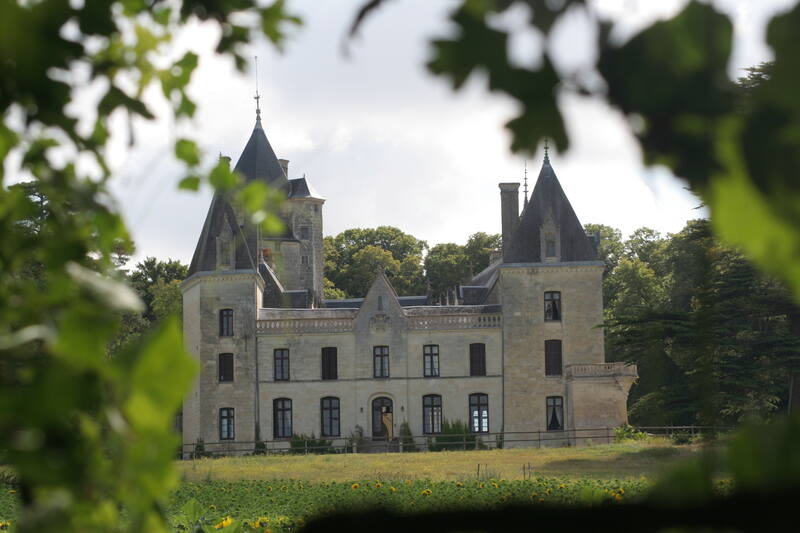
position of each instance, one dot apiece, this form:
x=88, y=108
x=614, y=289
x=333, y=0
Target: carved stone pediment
x=380, y=322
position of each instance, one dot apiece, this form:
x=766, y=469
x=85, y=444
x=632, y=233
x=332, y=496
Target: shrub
x=199, y=449
x=302, y=444
x=628, y=433
x=454, y=436
x=261, y=448
x=405, y=438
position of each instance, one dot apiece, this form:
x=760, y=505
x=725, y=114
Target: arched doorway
x=382, y=421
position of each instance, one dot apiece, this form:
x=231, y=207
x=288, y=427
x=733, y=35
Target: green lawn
x=628, y=460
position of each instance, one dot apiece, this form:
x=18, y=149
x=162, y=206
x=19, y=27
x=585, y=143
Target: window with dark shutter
x=225, y=367
x=281, y=364
x=552, y=306
x=552, y=358
x=329, y=363
x=477, y=359
x=226, y=323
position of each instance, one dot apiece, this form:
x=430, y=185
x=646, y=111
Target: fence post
x=305, y=445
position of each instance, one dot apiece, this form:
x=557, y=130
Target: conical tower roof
x=548, y=203
x=259, y=162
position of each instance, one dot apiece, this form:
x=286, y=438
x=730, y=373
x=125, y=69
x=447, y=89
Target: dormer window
x=550, y=246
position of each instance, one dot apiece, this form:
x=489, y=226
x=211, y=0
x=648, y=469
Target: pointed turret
x=548, y=228
x=259, y=162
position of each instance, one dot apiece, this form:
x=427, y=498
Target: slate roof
x=549, y=197
x=258, y=161
x=205, y=253
x=355, y=303
x=301, y=188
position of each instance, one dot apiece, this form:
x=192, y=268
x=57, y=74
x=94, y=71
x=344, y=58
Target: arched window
x=382, y=418
x=226, y=322
x=555, y=413
x=479, y=412
x=477, y=359
x=552, y=357
x=329, y=414
x=226, y=425
x=281, y=418
x=432, y=413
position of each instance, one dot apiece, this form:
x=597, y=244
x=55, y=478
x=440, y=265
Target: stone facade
x=520, y=354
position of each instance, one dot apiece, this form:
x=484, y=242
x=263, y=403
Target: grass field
x=627, y=460
x=280, y=493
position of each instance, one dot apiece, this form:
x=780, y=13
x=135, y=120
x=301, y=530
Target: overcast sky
x=388, y=144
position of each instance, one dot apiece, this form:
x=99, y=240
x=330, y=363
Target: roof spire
x=257, y=97
x=546, y=151
x=526, y=183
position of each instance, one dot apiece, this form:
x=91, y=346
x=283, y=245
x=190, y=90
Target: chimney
x=509, y=214
x=285, y=166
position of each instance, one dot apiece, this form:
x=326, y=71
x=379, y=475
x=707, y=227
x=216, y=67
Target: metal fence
x=300, y=445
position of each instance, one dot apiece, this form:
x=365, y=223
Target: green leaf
x=189, y=183
x=186, y=150
x=221, y=177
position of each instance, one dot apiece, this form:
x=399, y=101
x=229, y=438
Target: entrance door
x=381, y=418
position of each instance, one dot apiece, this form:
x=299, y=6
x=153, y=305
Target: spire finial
x=257, y=97
x=546, y=151
x=526, y=183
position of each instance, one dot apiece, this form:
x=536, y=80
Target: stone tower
x=234, y=272
x=550, y=287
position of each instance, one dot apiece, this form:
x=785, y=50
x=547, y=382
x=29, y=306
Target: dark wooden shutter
x=329, y=363
x=477, y=359
x=552, y=358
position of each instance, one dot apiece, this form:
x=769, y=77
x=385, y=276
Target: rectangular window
x=432, y=413
x=479, y=413
x=550, y=247
x=226, y=423
x=380, y=359
x=555, y=413
x=477, y=359
x=552, y=306
x=552, y=358
x=225, y=367
x=430, y=356
x=281, y=418
x=330, y=417
x=281, y=364
x=303, y=259
x=226, y=323
x=330, y=368
x=305, y=232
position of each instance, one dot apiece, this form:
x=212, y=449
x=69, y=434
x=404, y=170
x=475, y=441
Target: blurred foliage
x=90, y=436
x=715, y=340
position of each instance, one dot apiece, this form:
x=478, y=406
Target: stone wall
x=205, y=294
x=521, y=290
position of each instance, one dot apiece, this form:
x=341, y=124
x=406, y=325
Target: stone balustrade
x=314, y=325
x=455, y=321
x=600, y=370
